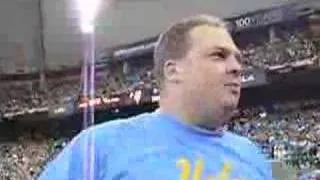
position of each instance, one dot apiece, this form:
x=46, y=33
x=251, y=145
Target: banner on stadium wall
x=134, y=50
x=99, y=102
x=253, y=78
x=260, y=19
x=26, y=112
x=64, y=109
x=264, y=17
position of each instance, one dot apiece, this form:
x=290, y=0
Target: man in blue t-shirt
x=197, y=65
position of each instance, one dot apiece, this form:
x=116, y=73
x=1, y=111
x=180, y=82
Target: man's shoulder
x=248, y=151
x=244, y=145
x=240, y=140
x=124, y=123
x=120, y=128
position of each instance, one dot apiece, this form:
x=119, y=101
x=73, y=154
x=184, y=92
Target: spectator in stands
x=200, y=76
x=291, y=132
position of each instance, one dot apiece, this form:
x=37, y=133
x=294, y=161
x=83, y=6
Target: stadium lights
x=88, y=10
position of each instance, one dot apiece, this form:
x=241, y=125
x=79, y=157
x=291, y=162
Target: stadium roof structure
x=33, y=29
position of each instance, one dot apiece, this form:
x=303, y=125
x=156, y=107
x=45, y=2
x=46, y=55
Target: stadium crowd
x=18, y=98
x=25, y=150
x=288, y=132
x=290, y=48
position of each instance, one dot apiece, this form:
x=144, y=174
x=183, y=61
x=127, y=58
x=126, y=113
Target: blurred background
x=44, y=68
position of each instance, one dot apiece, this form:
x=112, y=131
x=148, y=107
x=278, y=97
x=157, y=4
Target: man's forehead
x=212, y=36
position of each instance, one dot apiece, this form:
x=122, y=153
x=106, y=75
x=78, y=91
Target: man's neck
x=191, y=116
x=174, y=103
x=187, y=121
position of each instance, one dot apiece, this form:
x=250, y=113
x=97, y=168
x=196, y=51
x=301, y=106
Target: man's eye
x=219, y=55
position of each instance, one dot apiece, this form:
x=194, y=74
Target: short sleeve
x=77, y=161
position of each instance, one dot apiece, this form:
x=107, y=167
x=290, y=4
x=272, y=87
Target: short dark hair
x=174, y=43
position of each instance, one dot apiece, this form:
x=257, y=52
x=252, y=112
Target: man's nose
x=234, y=66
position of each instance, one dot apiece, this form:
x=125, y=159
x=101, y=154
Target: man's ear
x=173, y=71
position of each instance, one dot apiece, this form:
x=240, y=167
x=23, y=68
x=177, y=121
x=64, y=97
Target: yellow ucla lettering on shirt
x=226, y=170
x=185, y=166
x=198, y=169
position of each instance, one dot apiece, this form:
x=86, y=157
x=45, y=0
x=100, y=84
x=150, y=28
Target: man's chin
x=230, y=108
x=232, y=103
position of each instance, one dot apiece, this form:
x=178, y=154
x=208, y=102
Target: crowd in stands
x=26, y=155
x=25, y=151
x=65, y=90
x=19, y=98
x=294, y=47
x=288, y=132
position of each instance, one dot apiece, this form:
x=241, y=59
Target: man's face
x=212, y=72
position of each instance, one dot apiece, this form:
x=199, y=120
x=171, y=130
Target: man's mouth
x=234, y=86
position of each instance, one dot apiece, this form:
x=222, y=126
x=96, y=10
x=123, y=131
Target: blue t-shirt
x=157, y=146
